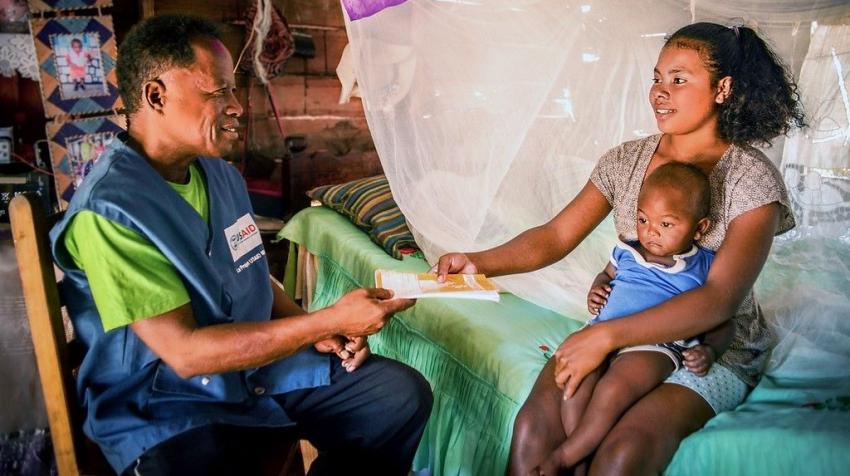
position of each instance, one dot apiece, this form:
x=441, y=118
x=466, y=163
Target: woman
x=716, y=91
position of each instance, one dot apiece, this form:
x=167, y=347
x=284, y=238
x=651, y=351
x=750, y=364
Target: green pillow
x=369, y=204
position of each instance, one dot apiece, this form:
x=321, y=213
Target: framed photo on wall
x=54, y=5
x=75, y=146
x=76, y=57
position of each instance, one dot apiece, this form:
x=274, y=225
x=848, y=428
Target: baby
x=673, y=208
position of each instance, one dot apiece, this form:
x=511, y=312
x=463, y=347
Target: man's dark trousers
x=368, y=421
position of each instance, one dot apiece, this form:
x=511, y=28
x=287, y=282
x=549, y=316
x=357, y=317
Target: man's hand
x=597, y=298
x=358, y=350
x=334, y=345
x=453, y=263
x=352, y=351
x=363, y=312
x=698, y=359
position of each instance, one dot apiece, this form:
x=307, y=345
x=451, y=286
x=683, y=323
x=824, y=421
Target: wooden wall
x=306, y=94
x=311, y=89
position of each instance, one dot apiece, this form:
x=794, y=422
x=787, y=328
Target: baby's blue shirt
x=639, y=285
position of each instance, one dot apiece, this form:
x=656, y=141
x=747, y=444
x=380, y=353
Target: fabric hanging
x=270, y=42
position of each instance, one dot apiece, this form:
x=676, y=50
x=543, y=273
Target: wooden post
x=146, y=9
x=29, y=231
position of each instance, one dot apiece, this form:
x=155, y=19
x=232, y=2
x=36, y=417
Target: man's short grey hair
x=154, y=46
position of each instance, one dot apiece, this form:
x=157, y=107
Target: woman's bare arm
x=545, y=244
x=736, y=266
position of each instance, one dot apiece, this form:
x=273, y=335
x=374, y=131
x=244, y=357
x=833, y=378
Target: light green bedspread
x=482, y=358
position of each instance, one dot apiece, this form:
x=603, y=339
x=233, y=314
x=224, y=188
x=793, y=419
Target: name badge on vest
x=242, y=236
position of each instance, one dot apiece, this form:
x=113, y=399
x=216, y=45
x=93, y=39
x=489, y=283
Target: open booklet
x=425, y=285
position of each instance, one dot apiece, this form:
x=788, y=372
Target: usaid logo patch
x=242, y=236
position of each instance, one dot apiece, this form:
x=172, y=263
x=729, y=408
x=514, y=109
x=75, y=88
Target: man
x=193, y=354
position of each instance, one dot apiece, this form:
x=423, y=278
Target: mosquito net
x=489, y=115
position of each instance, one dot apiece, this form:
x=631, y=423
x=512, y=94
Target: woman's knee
x=530, y=442
x=536, y=424
x=524, y=425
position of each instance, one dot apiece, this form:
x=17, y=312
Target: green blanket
x=482, y=358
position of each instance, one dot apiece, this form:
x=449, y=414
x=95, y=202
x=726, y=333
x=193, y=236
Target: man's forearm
x=192, y=350
x=239, y=346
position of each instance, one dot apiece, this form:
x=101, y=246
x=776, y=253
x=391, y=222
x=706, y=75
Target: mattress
x=482, y=358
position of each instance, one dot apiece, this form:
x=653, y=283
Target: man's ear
x=153, y=94
x=724, y=90
x=702, y=227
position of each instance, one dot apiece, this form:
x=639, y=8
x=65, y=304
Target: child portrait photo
x=76, y=58
x=75, y=146
x=83, y=152
x=79, y=65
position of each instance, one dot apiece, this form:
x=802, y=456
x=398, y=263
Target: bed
x=482, y=358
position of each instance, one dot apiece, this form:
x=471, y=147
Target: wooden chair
x=57, y=356
x=53, y=352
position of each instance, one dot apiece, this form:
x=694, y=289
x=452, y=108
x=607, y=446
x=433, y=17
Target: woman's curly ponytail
x=764, y=102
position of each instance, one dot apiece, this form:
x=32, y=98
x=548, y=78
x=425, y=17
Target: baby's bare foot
x=552, y=465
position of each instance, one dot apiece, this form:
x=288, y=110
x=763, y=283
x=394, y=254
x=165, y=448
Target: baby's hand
x=597, y=298
x=698, y=359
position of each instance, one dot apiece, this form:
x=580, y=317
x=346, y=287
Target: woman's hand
x=453, y=263
x=579, y=354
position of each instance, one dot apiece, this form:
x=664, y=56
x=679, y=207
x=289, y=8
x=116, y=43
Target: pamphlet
x=425, y=285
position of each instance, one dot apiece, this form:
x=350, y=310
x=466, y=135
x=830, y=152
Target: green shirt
x=130, y=279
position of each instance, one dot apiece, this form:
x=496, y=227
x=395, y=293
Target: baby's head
x=673, y=208
x=76, y=45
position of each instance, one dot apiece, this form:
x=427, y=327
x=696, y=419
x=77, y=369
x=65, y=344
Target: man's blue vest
x=132, y=399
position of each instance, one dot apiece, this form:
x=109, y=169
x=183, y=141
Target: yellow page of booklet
x=425, y=285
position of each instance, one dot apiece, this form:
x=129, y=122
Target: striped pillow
x=369, y=204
